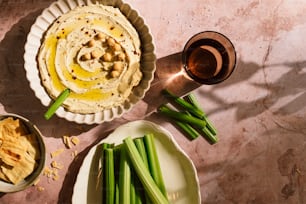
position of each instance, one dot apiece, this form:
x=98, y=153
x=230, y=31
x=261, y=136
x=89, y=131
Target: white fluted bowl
x=34, y=40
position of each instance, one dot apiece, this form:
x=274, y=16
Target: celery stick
x=210, y=126
x=142, y=150
x=117, y=171
x=184, y=104
x=132, y=190
x=56, y=104
x=183, y=117
x=124, y=178
x=140, y=196
x=196, y=104
x=154, y=162
x=212, y=138
x=193, y=100
x=143, y=173
x=101, y=178
x=117, y=201
x=103, y=147
x=188, y=129
x=109, y=176
x=137, y=192
x=209, y=135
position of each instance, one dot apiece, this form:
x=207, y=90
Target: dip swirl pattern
x=94, y=51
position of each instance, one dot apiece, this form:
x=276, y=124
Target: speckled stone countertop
x=259, y=111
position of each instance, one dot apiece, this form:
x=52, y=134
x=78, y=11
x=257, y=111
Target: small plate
x=178, y=171
x=34, y=40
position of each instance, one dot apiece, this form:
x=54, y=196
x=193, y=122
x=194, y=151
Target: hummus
x=95, y=52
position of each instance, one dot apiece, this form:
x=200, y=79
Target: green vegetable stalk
x=192, y=120
x=183, y=117
x=131, y=172
x=56, y=104
x=210, y=136
x=144, y=175
x=139, y=143
x=109, y=176
x=142, y=150
x=190, y=131
x=184, y=104
x=103, y=168
x=195, y=103
x=124, y=178
x=154, y=165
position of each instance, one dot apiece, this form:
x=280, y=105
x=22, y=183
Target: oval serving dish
x=178, y=170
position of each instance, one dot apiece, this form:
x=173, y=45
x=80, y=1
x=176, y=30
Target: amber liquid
x=201, y=64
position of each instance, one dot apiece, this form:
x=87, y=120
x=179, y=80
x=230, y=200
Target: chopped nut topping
x=56, y=165
x=47, y=172
x=40, y=188
x=55, y=177
x=66, y=141
x=56, y=153
x=75, y=140
x=53, y=172
x=74, y=153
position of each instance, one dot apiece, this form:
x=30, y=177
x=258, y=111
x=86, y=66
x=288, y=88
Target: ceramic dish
x=27, y=182
x=33, y=43
x=178, y=171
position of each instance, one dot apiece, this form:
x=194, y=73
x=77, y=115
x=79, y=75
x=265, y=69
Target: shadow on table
x=288, y=84
x=276, y=159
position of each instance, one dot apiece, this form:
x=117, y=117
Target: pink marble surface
x=259, y=112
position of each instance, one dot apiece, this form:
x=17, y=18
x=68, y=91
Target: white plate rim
x=83, y=174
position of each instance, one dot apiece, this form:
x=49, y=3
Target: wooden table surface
x=259, y=111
